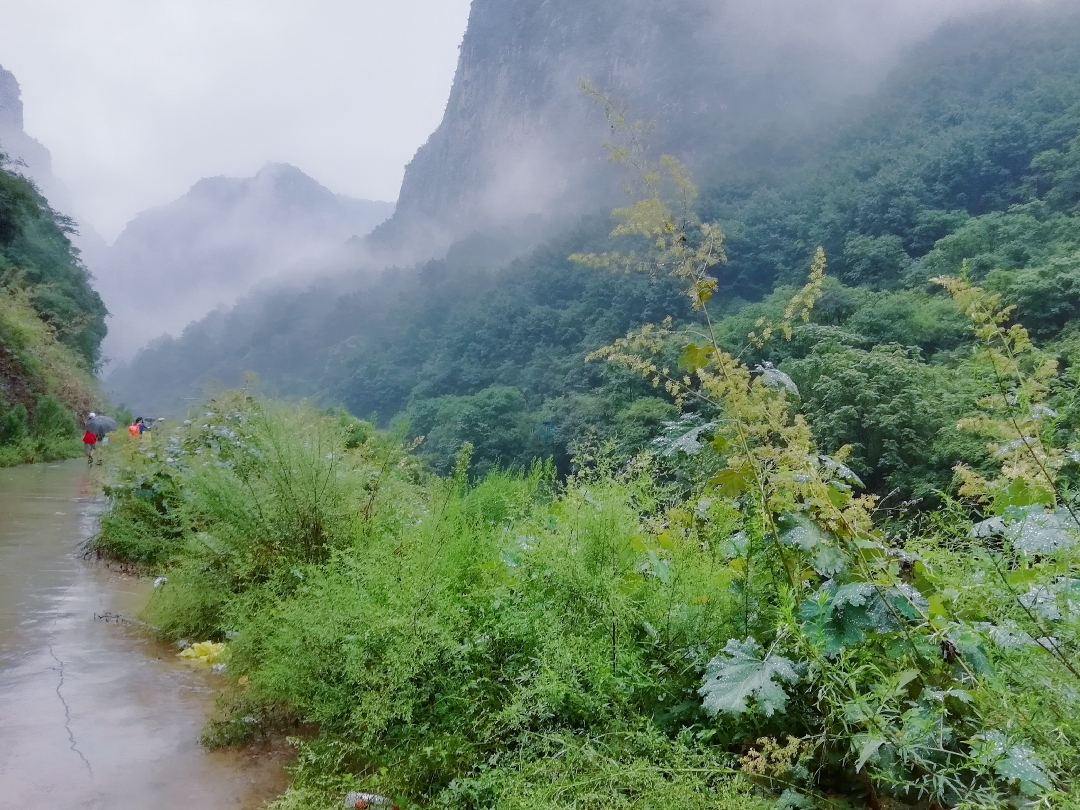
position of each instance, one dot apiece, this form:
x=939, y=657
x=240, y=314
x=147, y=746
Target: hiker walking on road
x=97, y=432
x=89, y=440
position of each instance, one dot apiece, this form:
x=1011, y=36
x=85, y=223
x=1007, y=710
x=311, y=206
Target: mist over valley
x=176, y=263
x=750, y=99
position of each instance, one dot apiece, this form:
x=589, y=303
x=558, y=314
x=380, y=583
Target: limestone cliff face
x=518, y=139
x=25, y=154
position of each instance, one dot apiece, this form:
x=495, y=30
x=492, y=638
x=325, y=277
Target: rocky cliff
x=519, y=140
x=29, y=157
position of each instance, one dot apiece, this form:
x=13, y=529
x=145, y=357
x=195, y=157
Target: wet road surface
x=93, y=714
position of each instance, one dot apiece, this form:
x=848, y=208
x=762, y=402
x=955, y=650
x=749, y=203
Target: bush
x=757, y=628
x=52, y=420
x=14, y=426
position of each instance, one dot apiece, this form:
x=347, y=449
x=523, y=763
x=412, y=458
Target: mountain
x=52, y=321
x=28, y=157
x=519, y=150
x=969, y=149
x=176, y=262
x=518, y=139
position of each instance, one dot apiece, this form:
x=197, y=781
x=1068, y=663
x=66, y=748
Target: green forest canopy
x=968, y=155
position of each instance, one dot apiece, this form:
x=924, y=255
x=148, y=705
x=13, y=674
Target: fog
x=137, y=101
x=174, y=110
x=739, y=90
x=518, y=139
x=174, y=263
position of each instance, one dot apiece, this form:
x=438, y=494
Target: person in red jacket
x=89, y=441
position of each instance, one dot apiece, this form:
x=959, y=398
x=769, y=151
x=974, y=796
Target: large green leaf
x=868, y=744
x=1032, y=529
x=773, y=377
x=840, y=616
x=839, y=471
x=1021, y=492
x=683, y=436
x=1014, y=763
x=825, y=555
x=740, y=673
x=799, y=530
x=1021, y=765
x=1041, y=532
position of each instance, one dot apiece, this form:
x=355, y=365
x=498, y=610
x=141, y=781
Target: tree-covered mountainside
x=967, y=156
x=51, y=326
x=516, y=139
x=761, y=495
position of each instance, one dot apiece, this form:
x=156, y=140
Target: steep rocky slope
x=28, y=157
x=519, y=140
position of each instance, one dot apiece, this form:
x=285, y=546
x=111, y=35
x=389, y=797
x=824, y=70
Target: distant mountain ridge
x=177, y=262
x=951, y=135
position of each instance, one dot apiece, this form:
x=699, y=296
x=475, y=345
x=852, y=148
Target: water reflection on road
x=92, y=713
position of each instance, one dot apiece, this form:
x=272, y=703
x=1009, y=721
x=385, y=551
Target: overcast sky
x=138, y=99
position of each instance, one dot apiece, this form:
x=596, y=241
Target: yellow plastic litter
x=208, y=652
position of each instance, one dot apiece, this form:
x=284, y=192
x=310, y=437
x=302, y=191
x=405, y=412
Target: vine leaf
x=740, y=672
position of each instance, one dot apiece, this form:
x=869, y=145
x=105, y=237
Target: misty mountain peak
x=11, y=108
x=212, y=245
x=29, y=157
x=518, y=139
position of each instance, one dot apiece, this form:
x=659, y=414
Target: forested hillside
x=51, y=326
x=968, y=152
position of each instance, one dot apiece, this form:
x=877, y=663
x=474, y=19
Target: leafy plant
x=862, y=621
x=740, y=672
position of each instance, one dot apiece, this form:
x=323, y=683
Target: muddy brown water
x=93, y=713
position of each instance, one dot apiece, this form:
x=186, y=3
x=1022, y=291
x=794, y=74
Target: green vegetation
x=781, y=545
x=724, y=621
x=51, y=326
x=968, y=153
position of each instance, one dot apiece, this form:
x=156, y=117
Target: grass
x=517, y=642
x=46, y=380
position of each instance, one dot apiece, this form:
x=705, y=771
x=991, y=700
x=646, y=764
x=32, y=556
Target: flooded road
x=92, y=713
